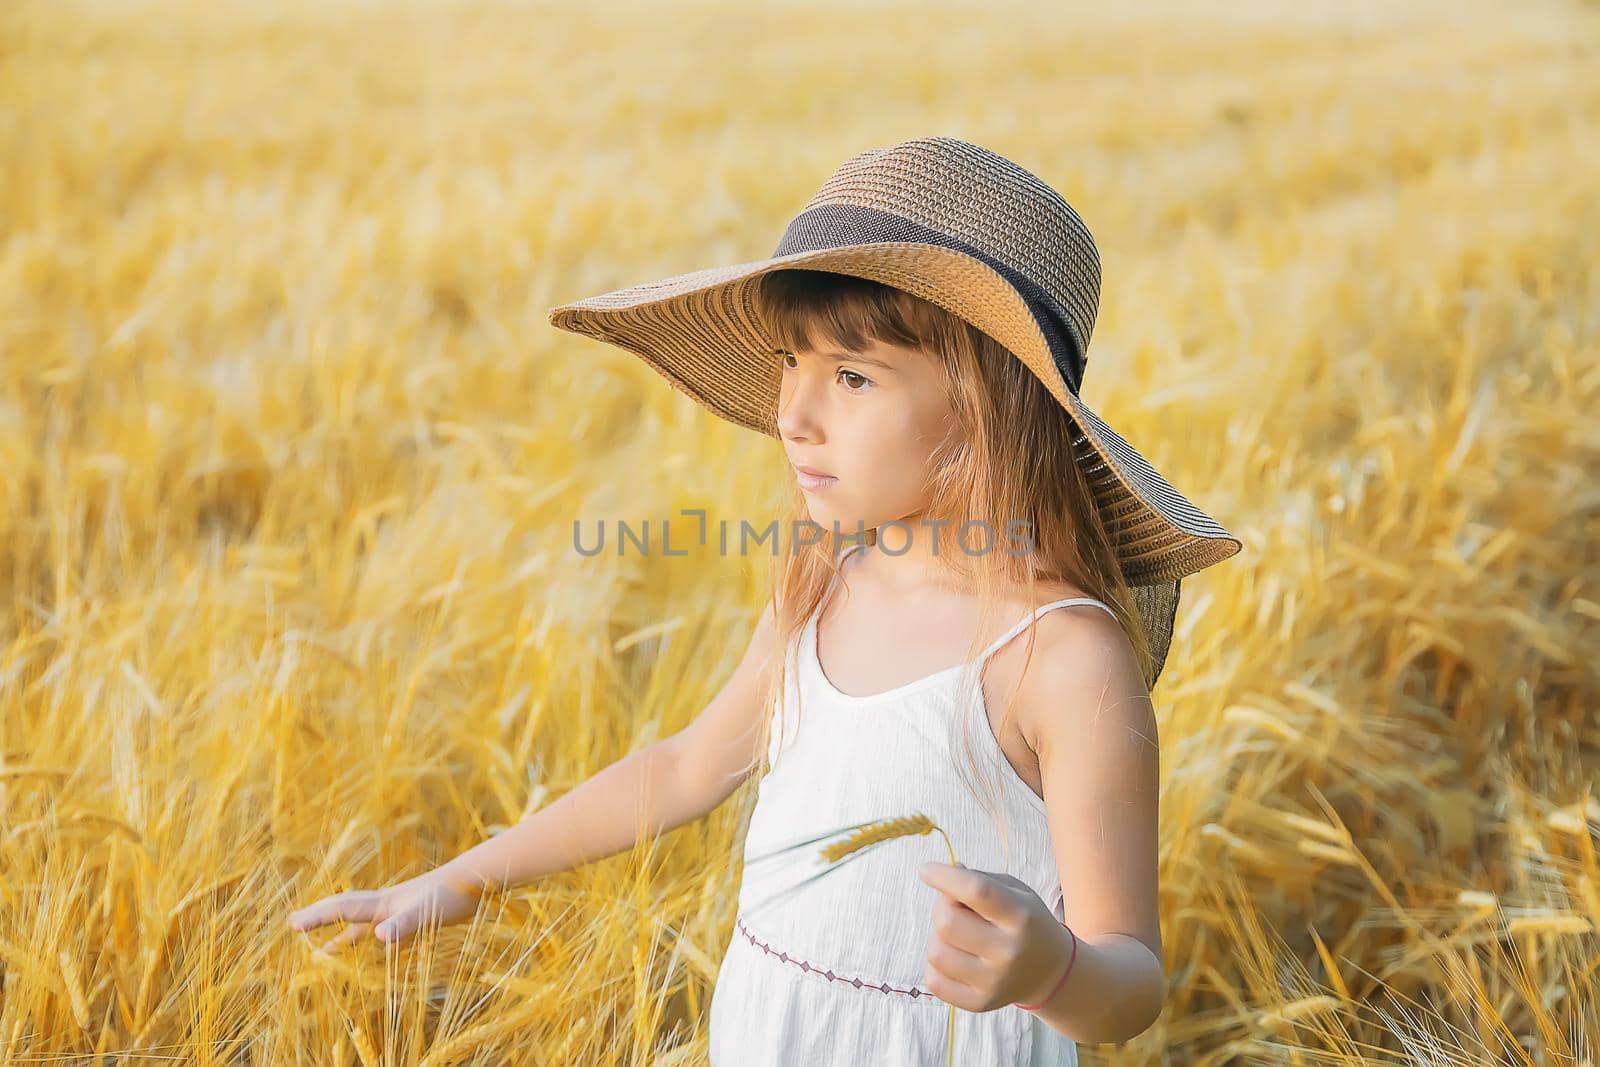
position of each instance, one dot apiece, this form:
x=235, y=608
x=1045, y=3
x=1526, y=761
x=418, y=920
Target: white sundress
x=830, y=972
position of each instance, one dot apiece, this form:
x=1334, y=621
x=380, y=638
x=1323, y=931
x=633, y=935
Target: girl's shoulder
x=1074, y=619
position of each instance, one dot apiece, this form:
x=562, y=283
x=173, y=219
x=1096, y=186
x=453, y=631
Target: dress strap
x=1040, y=610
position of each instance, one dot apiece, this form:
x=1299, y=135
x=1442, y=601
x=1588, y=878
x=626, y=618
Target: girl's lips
x=814, y=482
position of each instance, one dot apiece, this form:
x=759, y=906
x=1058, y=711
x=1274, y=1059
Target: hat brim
x=700, y=331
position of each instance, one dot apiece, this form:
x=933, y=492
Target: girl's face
x=870, y=421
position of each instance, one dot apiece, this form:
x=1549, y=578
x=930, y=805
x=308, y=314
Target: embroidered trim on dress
x=811, y=968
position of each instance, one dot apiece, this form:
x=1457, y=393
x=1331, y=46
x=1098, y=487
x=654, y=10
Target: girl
x=916, y=344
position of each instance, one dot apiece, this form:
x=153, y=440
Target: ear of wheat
x=860, y=836
x=885, y=830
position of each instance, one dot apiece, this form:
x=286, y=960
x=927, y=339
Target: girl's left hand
x=994, y=941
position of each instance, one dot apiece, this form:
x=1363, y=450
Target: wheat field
x=290, y=460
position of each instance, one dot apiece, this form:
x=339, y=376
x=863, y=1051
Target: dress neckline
x=810, y=641
x=835, y=693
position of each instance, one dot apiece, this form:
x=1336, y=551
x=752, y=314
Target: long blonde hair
x=1012, y=459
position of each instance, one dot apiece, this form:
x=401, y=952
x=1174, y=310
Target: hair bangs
x=805, y=310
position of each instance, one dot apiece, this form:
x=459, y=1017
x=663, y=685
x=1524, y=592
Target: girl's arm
x=1086, y=712
x=674, y=781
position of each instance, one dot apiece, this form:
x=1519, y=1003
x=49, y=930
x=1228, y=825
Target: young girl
x=916, y=345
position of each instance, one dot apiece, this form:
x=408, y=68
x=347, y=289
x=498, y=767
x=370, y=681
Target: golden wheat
x=289, y=460
x=873, y=833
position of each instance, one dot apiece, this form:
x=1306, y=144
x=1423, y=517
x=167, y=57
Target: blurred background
x=290, y=460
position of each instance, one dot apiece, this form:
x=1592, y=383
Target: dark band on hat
x=837, y=225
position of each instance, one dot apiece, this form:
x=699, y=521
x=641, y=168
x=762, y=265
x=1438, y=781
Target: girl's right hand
x=392, y=914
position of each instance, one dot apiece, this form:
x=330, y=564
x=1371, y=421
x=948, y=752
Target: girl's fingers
x=395, y=928
x=355, y=905
x=350, y=933
x=951, y=990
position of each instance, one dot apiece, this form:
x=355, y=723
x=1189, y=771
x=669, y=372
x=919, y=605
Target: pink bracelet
x=1059, y=982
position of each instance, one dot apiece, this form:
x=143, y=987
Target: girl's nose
x=800, y=409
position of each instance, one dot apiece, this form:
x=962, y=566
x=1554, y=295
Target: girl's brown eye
x=852, y=374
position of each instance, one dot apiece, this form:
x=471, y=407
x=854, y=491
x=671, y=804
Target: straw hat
x=974, y=233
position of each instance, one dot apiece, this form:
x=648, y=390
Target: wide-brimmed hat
x=969, y=231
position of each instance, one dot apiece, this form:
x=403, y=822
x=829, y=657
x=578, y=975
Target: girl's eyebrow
x=856, y=357
x=849, y=357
